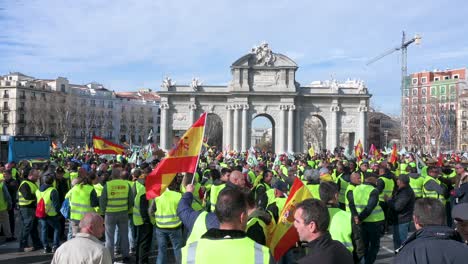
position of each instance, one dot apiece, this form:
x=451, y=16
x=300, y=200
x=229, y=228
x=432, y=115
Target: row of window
x=434, y=90
x=436, y=79
x=424, y=100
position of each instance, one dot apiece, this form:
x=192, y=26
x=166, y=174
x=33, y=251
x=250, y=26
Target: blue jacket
x=188, y=216
x=433, y=244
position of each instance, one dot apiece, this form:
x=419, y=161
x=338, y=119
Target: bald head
x=93, y=224
x=237, y=178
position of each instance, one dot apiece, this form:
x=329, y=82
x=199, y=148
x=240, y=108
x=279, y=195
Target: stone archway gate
x=264, y=82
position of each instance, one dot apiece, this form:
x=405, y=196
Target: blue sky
x=128, y=45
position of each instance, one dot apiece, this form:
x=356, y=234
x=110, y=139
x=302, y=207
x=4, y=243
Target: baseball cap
x=280, y=185
x=460, y=212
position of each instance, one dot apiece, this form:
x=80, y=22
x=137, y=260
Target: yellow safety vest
x=432, y=194
x=21, y=200
x=314, y=190
x=98, y=188
x=49, y=207
x=388, y=189
x=340, y=227
x=416, y=184
x=226, y=251
x=343, y=186
x=166, y=209
x=73, y=175
x=3, y=201
x=117, y=196
x=199, y=228
x=215, y=190
x=80, y=201
x=361, y=196
x=350, y=187
x=253, y=220
x=140, y=191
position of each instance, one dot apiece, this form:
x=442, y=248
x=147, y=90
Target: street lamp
x=386, y=137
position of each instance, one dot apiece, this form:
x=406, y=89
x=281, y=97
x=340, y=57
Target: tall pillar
x=245, y=126
x=363, y=125
x=236, y=129
x=282, y=128
x=291, y=128
x=192, y=108
x=228, y=141
x=335, y=108
x=164, y=127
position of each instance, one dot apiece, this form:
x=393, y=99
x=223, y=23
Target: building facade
x=462, y=124
x=430, y=105
x=69, y=113
x=384, y=130
x=264, y=84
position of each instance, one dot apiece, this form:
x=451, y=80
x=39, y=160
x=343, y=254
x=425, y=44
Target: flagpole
x=201, y=146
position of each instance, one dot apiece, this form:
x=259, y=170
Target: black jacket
x=433, y=244
x=325, y=250
x=401, y=206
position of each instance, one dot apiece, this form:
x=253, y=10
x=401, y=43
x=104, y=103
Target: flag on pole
x=372, y=151
x=182, y=158
x=54, y=145
x=251, y=159
x=285, y=234
x=394, y=155
x=149, y=139
x=102, y=146
x=358, y=151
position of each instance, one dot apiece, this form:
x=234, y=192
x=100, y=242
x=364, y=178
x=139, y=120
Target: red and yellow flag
x=102, y=146
x=285, y=234
x=358, y=151
x=182, y=158
x=394, y=155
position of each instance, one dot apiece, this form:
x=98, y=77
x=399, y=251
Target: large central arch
x=263, y=83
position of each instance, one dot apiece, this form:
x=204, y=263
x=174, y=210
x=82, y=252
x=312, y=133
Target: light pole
x=386, y=137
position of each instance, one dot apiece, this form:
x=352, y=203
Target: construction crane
x=404, y=68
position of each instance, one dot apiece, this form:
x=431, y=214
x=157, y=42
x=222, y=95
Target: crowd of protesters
x=419, y=200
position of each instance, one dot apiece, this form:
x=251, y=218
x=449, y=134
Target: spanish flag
x=102, y=146
x=394, y=155
x=358, y=151
x=285, y=234
x=182, y=158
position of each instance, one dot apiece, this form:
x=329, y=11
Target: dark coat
x=401, y=206
x=433, y=244
x=325, y=250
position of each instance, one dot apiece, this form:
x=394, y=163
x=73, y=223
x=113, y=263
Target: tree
x=313, y=133
x=214, y=131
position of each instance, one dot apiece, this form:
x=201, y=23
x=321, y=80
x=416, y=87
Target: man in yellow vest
x=366, y=211
x=141, y=219
x=341, y=226
x=196, y=223
x=386, y=187
x=168, y=224
x=258, y=221
x=277, y=204
x=27, y=209
x=228, y=244
x=49, y=194
x=261, y=189
x=83, y=199
x=433, y=187
x=115, y=202
x=5, y=206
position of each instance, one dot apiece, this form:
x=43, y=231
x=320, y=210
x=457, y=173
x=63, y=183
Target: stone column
x=164, y=126
x=236, y=129
x=282, y=128
x=192, y=108
x=291, y=128
x=335, y=108
x=363, y=125
x=228, y=141
x=245, y=127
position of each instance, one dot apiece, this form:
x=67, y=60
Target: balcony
x=5, y=122
x=21, y=122
x=5, y=109
x=21, y=109
x=6, y=96
x=22, y=97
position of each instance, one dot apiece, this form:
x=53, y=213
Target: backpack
x=65, y=209
x=40, y=209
